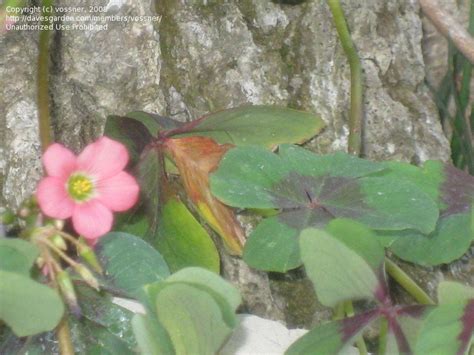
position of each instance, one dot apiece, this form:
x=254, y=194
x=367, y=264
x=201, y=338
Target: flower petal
x=59, y=161
x=53, y=198
x=103, y=158
x=119, y=192
x=92, y=219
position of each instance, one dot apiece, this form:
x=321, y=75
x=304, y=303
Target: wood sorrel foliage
x=345, y=261
x=159, y=146
x=413, y=209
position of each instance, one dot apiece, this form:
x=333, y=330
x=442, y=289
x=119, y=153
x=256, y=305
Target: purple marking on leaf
x=382, y=293
x=457, y=191
x=467, y=327
x=308, y=201
x=351, y=326
x=416, y=311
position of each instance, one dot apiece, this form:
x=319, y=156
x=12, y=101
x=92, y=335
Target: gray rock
x=20, y=166
x=203, y=56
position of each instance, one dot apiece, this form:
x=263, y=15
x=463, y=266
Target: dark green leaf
x=275, y=239
x=260, y=125
x=450, y=240
x=182, y=240
x=132, y=133
x=149, y=175
x=130, y=262
x=99, y=309
x=20, y=312
x=251, y=177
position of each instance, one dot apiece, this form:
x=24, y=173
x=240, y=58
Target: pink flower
x=87, y=187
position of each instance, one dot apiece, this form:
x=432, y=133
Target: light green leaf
x=338, y=272
x=258, y=125
x=129, y=261
x=450, y=292
x=27, y=306
x=192, y=318
x=152, y=338
x=441, y=331
x=224, y=294
x=17, y=255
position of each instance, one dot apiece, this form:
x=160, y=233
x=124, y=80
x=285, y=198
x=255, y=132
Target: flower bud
x=40, y=262
x=58, y=224
x=87, y=276
x=67, y=290
x=58, y=241
x=88, y=255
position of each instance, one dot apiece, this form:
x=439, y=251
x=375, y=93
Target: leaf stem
x=355, y=120
x=44, y=123
x=383, y=336
x=63, y=334
x=360, y=343
x=407, y=282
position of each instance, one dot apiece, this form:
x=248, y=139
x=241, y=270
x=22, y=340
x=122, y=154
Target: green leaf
x=446, y=330
x=192, y=318
x=333, y=337
x=130, y=132
x=338, y=272
x=310, y=192
x=275, y=239
x=152, y=338
x=19, y=312
x=257, y=125
x=224, y=294
x=130, y=262
x=99, y=309
x=149, y=175
x=334, y=164
x=450, y=292
x=253, y=178
x=450, y=240
x=428, y=179
x=17, y=255
x=182, y=240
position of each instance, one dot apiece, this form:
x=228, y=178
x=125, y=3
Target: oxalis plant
x=62, y=266
x=332, y=213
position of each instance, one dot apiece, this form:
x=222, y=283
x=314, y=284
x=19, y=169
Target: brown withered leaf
x=196, y=157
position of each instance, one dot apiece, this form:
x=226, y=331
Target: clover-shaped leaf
x=311, y=190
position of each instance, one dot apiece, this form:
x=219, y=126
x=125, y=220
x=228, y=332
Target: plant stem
x=355, y=120
x=407, y=282
x=383, y=336
x=43, y=83
x=360, y=343
x=63, y=334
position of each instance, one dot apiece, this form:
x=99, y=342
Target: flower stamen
x=80, y=187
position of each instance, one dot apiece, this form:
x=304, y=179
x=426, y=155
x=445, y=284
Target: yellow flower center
x=80, y=187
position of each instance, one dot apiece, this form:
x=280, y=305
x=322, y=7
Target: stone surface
x=203, y=56
x=20, y=166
